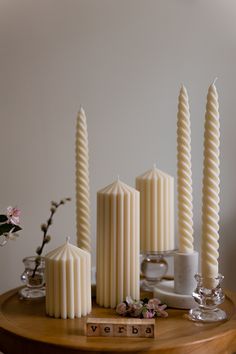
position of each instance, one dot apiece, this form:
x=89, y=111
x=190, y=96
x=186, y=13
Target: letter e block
x=106, y=330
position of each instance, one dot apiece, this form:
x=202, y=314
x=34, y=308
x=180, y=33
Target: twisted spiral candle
x=82, y=184
x=211, y=189
x=185, y=206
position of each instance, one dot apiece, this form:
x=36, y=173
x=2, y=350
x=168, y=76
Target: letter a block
x=117, y=327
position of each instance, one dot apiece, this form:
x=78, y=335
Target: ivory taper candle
x=68, y=282
x=185, y=259
x=156, y=211
x=82, y=184
x=211, y=189
x=117, y=244
x=184, y=172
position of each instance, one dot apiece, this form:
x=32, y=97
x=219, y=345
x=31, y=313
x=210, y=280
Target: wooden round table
x=24, y=328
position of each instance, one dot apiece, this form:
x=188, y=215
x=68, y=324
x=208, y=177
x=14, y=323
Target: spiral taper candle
x=211, y=189
x=186, y=259
x=82, y=183
x=185, y=206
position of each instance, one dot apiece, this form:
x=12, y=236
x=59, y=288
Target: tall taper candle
x=117, y=244
x=184, y=172
x=186, y=259
x=82, y=184
x=211, y=189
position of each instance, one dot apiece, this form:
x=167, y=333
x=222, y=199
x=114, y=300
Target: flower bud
x=44, y=227
x=47, y=239
x=38, y=250
x=53, y=209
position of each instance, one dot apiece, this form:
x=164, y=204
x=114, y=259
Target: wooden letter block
x=120, y=327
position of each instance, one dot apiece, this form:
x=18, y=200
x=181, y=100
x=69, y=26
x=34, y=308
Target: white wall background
x=124, y=61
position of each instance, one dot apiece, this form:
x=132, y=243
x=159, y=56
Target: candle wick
x=67, y=239
x=215, y=81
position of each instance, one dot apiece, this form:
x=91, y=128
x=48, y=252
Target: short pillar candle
x=156, y=211
x=68, y=282
x=117, y=244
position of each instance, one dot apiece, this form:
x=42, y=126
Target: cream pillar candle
x=82, y=184
x=68, y=282
x=184, y=172
x=211, y=189
x=156, y=211
x=117, y=244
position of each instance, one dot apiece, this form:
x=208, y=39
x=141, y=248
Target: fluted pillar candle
x=156, y=211
x=117, y=244
x=211, y=189
x=68, y=282
x=82, y=184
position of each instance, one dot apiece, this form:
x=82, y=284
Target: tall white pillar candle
x=156, y=211
x=117, y=244
x=68, y=282
x=211, y=189
x=82, y=184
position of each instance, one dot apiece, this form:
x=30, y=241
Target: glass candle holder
x=153, y=267
x=34, y=278
x=208, y=298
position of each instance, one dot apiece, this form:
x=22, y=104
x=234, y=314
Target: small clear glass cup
x=208, y=296
x=153, y=268
x=34, y=278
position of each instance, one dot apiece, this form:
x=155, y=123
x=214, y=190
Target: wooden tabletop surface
x=24, y=328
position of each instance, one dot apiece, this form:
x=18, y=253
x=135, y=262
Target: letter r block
x=120, y=330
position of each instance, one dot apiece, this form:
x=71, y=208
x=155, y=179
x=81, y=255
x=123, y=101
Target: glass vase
x=34, y=278
x=208, y=297
x=153, y=268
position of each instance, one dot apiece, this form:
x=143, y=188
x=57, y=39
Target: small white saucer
x=164, y=291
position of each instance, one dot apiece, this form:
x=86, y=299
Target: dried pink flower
x=121, y=308
x=13, y=215
x=148, y=314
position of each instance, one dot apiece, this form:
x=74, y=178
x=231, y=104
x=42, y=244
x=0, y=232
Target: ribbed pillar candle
x=211, y=189
x=68, y=282
x=117, y=244
x=82, y=183
x=156, y=211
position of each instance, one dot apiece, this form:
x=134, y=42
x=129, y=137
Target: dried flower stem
x=44, y=228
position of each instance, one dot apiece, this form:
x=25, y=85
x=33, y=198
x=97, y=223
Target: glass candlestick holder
x=153, y=268
x=208, y=295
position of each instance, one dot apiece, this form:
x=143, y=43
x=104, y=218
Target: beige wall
x=124, y=61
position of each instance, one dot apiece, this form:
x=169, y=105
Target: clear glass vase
x=153, y=268
x=34, y=278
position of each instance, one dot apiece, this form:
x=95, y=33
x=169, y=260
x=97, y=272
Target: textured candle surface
x=211, y=189
x=68, y=282
x=156, y=211
x=117, y=244
x=184, y=172
x=82, y=184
